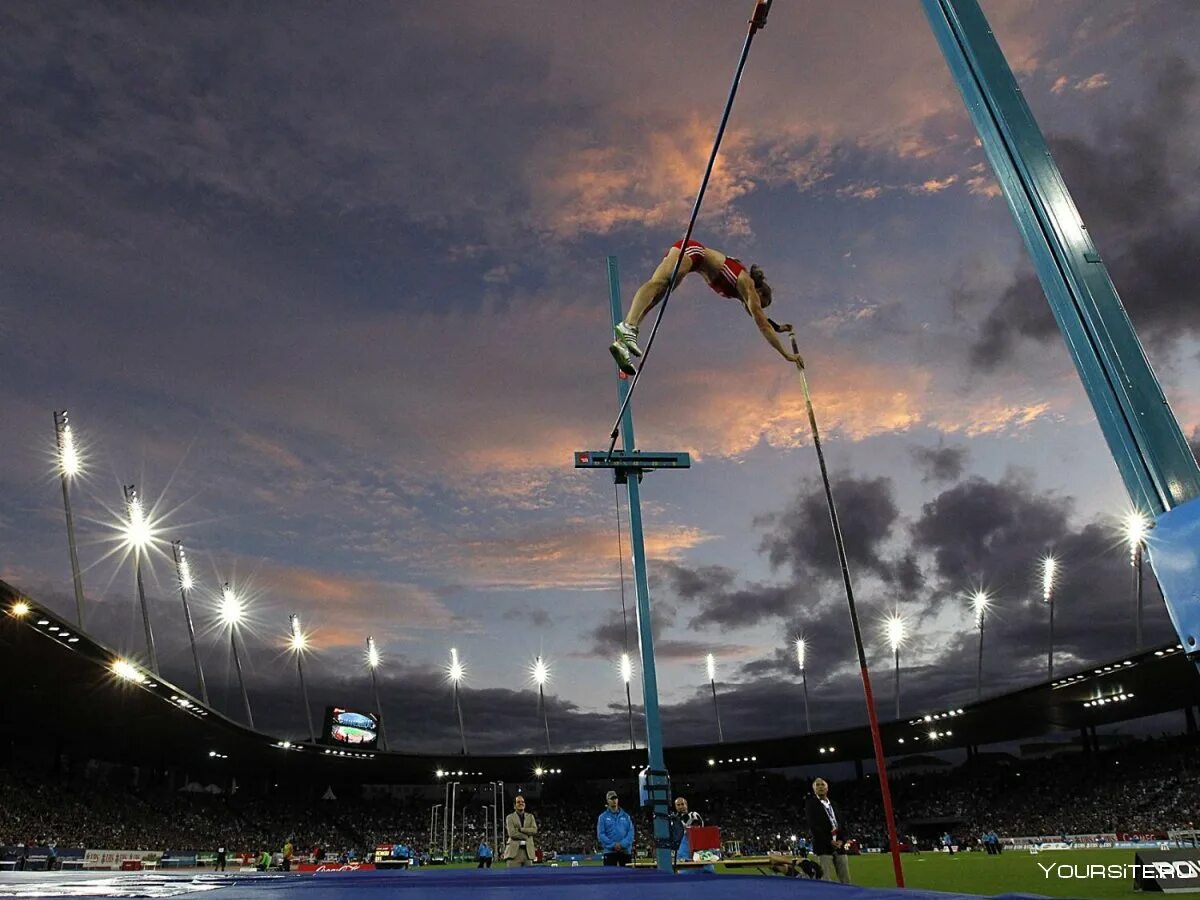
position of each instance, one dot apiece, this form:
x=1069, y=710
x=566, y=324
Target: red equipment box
x=704, y=837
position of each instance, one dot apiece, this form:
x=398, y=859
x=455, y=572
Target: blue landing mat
x=583, y=883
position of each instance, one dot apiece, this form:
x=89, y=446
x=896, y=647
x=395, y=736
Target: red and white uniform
x=725, y=281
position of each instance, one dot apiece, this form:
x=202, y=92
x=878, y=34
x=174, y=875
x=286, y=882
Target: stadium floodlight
x=231, y=606
x=298, y=642
x=127, y=671
x=138, y=535
x=1136, y=527
x=231, y=614
x=712, y=682
x=626, y=667
x=297, y=639
x=183, y=576
x=1049, y=579
x=895, y=630
x=373, y=664
x=895, y=626
x=69, y=467
x=801, y=648
x=372, y=653
x=457, y=671
x=20, y=609
x=539, y=672
x=980, y=601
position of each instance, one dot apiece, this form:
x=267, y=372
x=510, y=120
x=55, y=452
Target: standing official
x=519, y=828
x=614, y=830
x=686, y=820
x=828, y=836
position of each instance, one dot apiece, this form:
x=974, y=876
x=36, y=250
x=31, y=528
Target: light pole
x=183, y=574
x=298, y=644
x=1136, y=528
x=373, y=664
x=450, y=820
x=1049, y=573
x=68, y=468
x=627, y=676
x=712, y=682
x=445, y=812
x=801, y=646
x=231, y=615
x=895, y=636
x=980, y=601
x=539, y=673
x=138, y=535
x=456, y=672
x=433, y=822
x=498, y=805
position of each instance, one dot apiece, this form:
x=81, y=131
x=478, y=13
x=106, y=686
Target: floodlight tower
x=456, y=673
x=711, y=664
x=801, y=646
x=1135, y=528
x=298, y=644
x=627, y=676
x=1049, y=574
x=373, y=664
x=138, y=535
x=980, y=601
x=231, y=615
x=183, y=575
x=540, y=672
x=68, y=468
x=895, y=636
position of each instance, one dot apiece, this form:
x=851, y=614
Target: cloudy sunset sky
x=327, y=282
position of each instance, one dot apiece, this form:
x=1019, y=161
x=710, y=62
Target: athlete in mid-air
x=724, y=274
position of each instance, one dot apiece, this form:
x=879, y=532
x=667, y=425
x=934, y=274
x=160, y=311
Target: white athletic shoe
x=621, y=355
x=627, y=335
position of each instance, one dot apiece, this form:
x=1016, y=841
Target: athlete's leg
x=652, y=291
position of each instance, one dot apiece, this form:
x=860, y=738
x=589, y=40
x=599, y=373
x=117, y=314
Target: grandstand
x=94, y=759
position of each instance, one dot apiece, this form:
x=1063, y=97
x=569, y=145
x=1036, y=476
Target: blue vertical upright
x=1145, y=440
x=628, y=466
x=656, y=777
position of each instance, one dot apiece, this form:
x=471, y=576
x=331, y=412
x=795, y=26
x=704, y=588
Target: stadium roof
x=60, y=688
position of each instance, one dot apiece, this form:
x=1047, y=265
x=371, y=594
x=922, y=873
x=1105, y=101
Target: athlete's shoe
x=627, y=335
x=621, y=355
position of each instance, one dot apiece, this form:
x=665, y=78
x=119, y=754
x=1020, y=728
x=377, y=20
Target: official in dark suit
x=828, y=835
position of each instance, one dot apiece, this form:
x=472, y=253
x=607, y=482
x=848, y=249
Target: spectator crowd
x=1141, y=787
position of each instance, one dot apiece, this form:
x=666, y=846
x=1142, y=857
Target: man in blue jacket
x=614, y=830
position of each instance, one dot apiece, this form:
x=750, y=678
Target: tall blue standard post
x=628, y=465
x=1145, y=439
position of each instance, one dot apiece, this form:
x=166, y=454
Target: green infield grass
x=1011, y=872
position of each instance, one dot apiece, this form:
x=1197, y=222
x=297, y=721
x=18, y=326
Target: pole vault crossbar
x=634, y=462
x=657, y=786
x=1142, y=433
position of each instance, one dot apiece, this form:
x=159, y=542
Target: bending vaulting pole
x=880, y=761
x=757, y=21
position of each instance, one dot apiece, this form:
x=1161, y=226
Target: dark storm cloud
x=534, y=615
x=941, y=463
x=616, y=634
x=980, y=528
x=1194, y=442
x=1127, y=184
x=799, y=538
